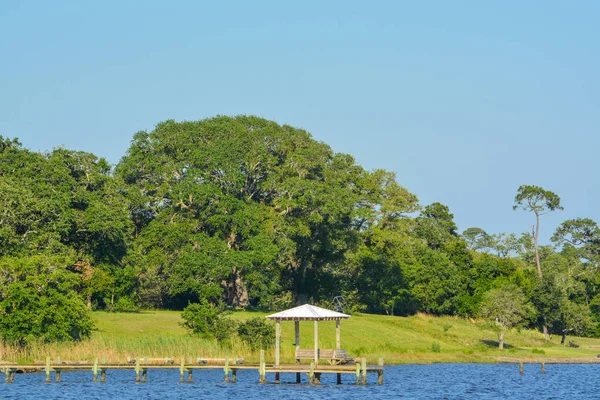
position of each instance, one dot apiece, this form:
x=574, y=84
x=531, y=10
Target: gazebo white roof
x=307, y=312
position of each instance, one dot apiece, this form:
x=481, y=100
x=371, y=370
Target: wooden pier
x=230, y=367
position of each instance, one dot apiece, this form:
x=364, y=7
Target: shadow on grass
x=494, y=344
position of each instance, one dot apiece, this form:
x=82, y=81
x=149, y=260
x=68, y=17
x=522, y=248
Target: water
x=438, y=381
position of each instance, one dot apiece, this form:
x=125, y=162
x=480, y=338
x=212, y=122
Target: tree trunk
x=89, y=302
x=536, y=235
x=562, y=340
x=501, y=340
x=535, y=244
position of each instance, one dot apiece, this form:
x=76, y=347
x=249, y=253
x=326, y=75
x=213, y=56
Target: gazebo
x=307, y=312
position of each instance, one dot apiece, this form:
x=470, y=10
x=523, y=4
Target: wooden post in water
x=12, y=376
x=317, y=378
x=543, y=368
x=58, y=369
x=276, y=377
x=47, y=369
x=339, y=379
x=226, y=369
x=364, y=370
x=262, y=368
x=182, y=370
x=380, y=372
x=103, y=371
x=6, y=375
x=311, y=373
x=137, y=370
x=357, y=365
x=144, y=375
x=190, y=376
x=95, y=370
x=521, y=371
x=234, y=375
x=298, y=377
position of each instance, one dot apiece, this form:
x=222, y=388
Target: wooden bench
x=334, y=357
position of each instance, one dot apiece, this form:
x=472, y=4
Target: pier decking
x=229, y=367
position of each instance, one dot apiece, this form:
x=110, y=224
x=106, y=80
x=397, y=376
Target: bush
x=257, y=333
x=537, y=351
x=125, y=304
x=572, y=344
x=435, y=347
x=38, y=302
x=208, y=321
x=447, y=328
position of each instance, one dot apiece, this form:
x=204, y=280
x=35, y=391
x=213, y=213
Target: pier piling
x=47, y=369
x=364, y=370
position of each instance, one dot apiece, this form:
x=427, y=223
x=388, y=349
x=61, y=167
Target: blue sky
x=464, y=100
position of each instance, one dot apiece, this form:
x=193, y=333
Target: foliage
x=246, y=213
x=38, y=302
x=505, y=307
x=257, y=333
x=208, y=321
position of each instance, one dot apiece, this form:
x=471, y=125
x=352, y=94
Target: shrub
x=447, y=327
x=537, y=351
x=257, y=333
x=435, y=347
x=125, y=304
x=207, y=320
x=38, y=302
x=572, y=344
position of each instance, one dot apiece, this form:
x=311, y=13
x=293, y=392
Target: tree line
x=241, y=212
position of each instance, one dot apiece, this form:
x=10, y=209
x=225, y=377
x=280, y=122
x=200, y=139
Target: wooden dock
x=229, y=367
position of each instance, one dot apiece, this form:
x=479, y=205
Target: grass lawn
x=398, y=339
x=415, y=339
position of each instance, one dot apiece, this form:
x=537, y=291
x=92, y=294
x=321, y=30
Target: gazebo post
x=277, y=340
x=337, y=335
x=316, y=343
x=297, y=329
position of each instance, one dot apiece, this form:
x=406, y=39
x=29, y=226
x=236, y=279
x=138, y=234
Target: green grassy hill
x=397, y=339
x=416, y=339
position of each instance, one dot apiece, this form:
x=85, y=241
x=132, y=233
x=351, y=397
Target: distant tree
x=506, y=308
x=561, y=313
x=582, y=234
x=539, y=201
x=436, y=225
x=505, y=244
x=478, y=239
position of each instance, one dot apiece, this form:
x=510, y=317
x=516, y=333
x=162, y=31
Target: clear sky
x=465, y=100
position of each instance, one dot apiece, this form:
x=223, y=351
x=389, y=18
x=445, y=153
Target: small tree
x=208, y=321
x=257, y=333
x=505, y=307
